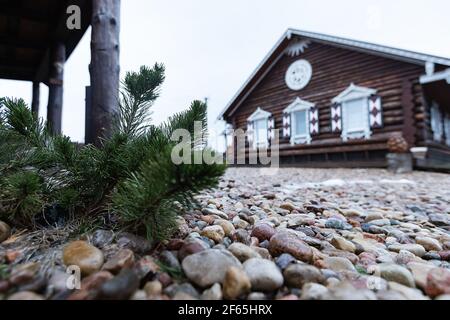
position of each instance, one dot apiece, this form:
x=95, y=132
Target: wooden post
x=55, y=87
x=88, y=137
x=36, y=98
x=104, y=67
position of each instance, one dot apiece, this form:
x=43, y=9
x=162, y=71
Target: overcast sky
x=210, y=47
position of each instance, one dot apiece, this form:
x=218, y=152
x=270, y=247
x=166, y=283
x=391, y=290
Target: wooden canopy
x=38, y=36
x=29, y=28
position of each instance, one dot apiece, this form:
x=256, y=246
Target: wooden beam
x=55, y=86
x=104, y=67
x=36, y=98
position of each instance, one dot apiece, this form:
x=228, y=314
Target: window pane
x=261, y=130
x=300, y=122
x=355, y=118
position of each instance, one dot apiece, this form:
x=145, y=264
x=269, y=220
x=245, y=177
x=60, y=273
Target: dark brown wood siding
x=334, y=69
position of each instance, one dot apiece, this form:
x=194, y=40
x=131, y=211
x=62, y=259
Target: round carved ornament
x=298, y=75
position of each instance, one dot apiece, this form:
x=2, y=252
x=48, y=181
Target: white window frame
x=260, y=115
x=352, y=93
x=296, y=106
x=437, y=122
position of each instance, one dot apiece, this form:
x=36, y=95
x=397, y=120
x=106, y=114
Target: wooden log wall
x=334, y=69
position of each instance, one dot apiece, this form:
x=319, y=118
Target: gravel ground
x=270, y=234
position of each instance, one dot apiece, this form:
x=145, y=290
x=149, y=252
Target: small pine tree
x=130, y=175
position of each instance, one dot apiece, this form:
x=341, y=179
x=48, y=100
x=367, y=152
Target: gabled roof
x=278, y=50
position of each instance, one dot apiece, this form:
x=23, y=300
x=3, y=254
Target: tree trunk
x=104, y=67
x=36, y=98
x=55, y=87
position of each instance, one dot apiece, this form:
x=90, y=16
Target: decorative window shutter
x=375, y=112
x=270, y=128
x=336, y=117
x=314, y=121
x=286, y=125
x=250, y=132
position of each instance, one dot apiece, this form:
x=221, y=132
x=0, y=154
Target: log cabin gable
x=296, y=42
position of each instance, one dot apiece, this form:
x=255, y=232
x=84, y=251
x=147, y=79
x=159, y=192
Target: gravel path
x=271, y=234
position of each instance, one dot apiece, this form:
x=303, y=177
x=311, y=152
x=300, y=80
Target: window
x=301, y=124
x=297, y=120
x=436, y=122
x=259, y=125
x=356, y=121
x=260, y=133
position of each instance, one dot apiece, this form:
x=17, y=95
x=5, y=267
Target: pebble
x=264, y=274
x=242, y=251
x=170, y=260
x=226, y=225
x=5, y=231
x=334, y=223
x=123, y=259
x=240, y=223
x=420, y=272
x=313, y=291
x=429, y=244
x=256, y=296
x=215, y=233
x=102, y=238
x=213, y=293
x=191, y=247
x=24, y=273
x=121, y=287
x=407, y=292
x=416, y=249
x=263, y=231
x=438, y=282
x=211, y=211
x=241, y=236
x=208, y=267
x=187, y=289
x=90, y=286
x=297, y=275
x=404, y=257
x=236, y=283
x=374, y=216
x=288, y=206
x=133, y=242
x=395, y=273
x=284, y=242
x=343, y=244
x=338, y=264
x=153, y=288
x=380, y=222
x=87, y=257
x=284, y=260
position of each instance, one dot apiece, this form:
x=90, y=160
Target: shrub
x=130, y=176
